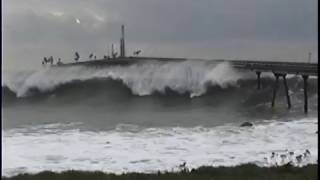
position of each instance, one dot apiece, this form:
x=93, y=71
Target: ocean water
x=152, y=116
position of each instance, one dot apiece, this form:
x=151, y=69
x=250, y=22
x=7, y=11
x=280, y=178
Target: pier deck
x=310, y=69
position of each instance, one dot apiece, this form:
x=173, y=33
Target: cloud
x=204, y=28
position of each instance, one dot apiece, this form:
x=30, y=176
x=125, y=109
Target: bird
x=299, y=158
x=183, y=166
x=283, y=157
x=306, y=153
x=291, y=153
x=137, y=52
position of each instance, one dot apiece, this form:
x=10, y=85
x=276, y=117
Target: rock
x=246, y=124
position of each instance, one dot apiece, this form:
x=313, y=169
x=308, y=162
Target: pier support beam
x=258, y=79
x=275, y=89
x=276, y=86
x=305, y=87
x=287, y=90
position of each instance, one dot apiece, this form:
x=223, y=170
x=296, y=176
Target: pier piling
x=287, y=90
x=275, y=89
x=258, y=79
x=305, y=87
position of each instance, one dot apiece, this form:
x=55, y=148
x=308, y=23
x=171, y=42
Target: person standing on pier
x=50, y=60
x=59, y=62
x=44, y=61
x=77, y=56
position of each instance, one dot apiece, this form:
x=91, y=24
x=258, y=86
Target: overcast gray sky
x=256, y=29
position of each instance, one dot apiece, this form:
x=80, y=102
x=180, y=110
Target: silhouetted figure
x=114, y=55
x=137, y=52
x=51, y=60
x=95, y=57
x=47, y=60
x=273, y=155
x=77, y=57
x=105, y=57
x=59, y=62
x=90, y=56
x=44, y=61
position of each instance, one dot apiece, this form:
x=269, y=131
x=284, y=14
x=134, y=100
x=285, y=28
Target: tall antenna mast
x=122, y=43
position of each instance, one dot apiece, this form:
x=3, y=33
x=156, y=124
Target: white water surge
x=142, y=78
x=129, y=148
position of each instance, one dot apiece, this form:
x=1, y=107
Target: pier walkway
x=310, y=69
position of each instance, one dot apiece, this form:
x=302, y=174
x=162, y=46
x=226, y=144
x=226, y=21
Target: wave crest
x=141, y=78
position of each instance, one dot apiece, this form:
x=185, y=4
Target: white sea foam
x=49, y=147
x=142, y=78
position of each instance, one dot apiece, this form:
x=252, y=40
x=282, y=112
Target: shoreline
x=245, y=171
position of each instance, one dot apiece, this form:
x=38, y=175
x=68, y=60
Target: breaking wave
x=34, y=146
x=191, y=78
x=142, y=79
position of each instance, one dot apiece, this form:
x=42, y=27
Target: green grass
x=243, y=172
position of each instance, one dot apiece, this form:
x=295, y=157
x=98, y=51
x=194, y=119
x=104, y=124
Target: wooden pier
x=279, y=69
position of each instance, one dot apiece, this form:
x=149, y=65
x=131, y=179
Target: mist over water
x=166, y=112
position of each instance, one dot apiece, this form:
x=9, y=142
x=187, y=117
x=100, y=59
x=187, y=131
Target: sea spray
x=142, y=78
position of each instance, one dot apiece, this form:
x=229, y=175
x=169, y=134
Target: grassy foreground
x=248, y=172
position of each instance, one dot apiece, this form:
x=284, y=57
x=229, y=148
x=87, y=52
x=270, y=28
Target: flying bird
x=137, y=52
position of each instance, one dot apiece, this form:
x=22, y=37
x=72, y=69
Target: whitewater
x=151, y=116
x=142, y=78
x=130, y=149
